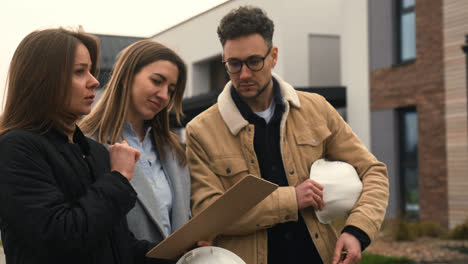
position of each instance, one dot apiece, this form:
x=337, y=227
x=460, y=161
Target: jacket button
x=228, y=170
x=252, y=161
x=314, y=140
x=287, y=217
x=291, y=171
x=316, y=235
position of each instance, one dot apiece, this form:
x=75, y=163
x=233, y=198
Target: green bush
x=404, y=230
x=427, y=228
x=460, y=231
x=378, y=259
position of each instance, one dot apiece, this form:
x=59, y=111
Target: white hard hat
x=341, y=188
x=210, y=255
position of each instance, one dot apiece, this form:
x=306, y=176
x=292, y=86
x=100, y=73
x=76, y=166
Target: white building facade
x=321, y=44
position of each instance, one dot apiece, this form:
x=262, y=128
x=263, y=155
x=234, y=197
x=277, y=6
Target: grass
x=378, y=259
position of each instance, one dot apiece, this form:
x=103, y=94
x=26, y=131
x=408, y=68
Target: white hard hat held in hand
x=210, y=255
x=341, y=188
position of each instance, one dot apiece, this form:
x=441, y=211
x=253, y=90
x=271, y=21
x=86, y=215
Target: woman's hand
x=123, y=159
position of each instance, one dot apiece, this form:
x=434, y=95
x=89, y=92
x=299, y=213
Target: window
x=406, y=31
x=209, y=75
x=324, y=60
x=218, y=75
x=104, y=77
x=409, y=191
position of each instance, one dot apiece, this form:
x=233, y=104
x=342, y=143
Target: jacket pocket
x=310, y=144
x=313, y=137
x=230, y=170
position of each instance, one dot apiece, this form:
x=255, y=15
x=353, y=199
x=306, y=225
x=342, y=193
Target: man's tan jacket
x=220, y=151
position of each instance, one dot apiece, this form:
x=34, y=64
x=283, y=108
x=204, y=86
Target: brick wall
x=421, y=83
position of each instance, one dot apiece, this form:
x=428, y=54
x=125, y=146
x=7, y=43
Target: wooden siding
x=455, y=27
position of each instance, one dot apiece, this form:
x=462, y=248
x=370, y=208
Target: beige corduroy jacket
x=220, y=152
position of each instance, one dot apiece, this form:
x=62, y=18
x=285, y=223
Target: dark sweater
x=287, y=242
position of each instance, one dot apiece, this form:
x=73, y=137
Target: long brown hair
x=39, y=79
x=106, y=120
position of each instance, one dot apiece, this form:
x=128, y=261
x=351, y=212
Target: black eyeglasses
x=254, y=63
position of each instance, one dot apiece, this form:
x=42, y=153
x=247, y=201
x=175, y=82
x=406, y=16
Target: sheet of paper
x=237, y=200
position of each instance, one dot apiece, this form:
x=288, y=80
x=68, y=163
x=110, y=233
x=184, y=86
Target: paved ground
x=423, y=250
x=2, y=257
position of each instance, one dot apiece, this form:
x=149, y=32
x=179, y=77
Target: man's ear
x=274, y=55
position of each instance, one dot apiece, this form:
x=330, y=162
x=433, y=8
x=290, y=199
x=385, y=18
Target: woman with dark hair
x=148, y=80
x=63, y=197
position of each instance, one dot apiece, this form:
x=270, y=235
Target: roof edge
x=190, y=18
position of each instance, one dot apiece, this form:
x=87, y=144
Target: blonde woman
x=148, y=80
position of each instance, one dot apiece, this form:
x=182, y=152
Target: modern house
x=111, y=45
x=418, y=104
x=323, y=47
x=395, y=69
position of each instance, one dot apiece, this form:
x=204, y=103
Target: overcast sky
x=141, y=18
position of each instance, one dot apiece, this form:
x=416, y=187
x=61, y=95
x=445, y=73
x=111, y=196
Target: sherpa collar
x=231, y=115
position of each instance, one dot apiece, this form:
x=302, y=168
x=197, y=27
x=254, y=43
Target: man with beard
x=262, y=126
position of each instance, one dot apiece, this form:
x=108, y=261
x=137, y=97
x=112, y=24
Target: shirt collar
x=130, y=132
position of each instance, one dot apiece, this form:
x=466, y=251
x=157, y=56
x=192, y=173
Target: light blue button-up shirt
x=151, y=166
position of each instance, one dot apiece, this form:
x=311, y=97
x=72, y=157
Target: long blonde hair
x=39, y=79
x=106, y=120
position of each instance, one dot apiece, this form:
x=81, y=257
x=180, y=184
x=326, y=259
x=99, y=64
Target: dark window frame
x=465, y=50
x=398, y=13
x=402, y=155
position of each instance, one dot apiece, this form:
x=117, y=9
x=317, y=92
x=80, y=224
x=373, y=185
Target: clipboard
x=235, y=202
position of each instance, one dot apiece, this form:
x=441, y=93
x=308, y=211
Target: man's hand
x=203, y=243
x=309, y=193
x=348, y=250
x=123, y=159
